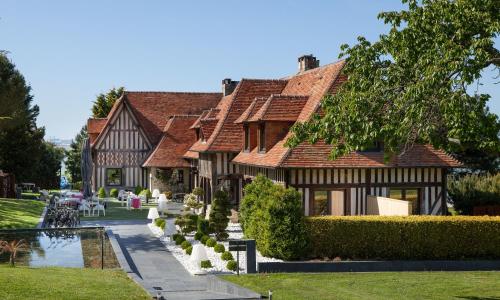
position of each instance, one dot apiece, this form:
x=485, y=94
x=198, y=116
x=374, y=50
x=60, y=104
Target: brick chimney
x=228, y=86
x=307, y=62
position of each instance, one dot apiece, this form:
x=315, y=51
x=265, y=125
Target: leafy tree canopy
x=416, y=84
x=104, y=102
x=73, y=156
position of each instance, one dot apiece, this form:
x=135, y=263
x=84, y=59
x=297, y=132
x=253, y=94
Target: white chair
x=85, y=207
x=98, y=206
x=156, y=194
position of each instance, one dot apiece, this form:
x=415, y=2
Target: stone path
x=157, y=270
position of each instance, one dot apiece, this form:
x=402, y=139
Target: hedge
x=414, y=237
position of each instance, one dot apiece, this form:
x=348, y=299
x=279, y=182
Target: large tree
x=416, y=84
x=73, y=156
x=104, y=102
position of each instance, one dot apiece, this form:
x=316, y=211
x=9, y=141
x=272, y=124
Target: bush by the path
x=211, y=242
x=219, y=213
x=185, y=245
x=415, y=237
x=204, y=239
x=113, y=193
x=198, y=235
x=206, y=264
x=101, y=193
x=219, y=248
x=232, y=265
x=273, y=216
x=227, y=256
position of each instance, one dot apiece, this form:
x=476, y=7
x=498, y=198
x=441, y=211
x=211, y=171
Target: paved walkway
x=157, y=270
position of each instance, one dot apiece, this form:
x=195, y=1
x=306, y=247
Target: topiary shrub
x=198, y=191
x=219, y=213
x=113, y=193
x=175, y=236
x=205, y=264
x=413, y=237
x=219, y=248
x=138, y=189
x=179, y=240
x=147, y=193
x=168, y=194
x=203, y=226
x=273, y=216
x=211, y=243
x=232, y=265
x=204, y=239
x=101, y=193
x=185, y=244
x=198, y=235
x=187, y=223
x=162, y=225
x=189, y=250
x=159, y=222
x=226, y=256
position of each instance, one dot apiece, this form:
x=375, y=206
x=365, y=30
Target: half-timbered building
x=129, y=145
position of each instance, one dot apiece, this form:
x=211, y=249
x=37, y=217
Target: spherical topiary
x=198, y=235
x=163, y=224
x=232, y=265
x=219, y=248
x=211, y=242
x=203, y=226
x=206, y=264
x=227, y=256
x=185, y=244
x=101, y=193
x=179, y=240
x=159, y=221
x=175, y=236
x=113, y=193
x=189, y=250
x=204, y=239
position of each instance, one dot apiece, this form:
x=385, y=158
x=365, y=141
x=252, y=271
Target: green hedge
x=414, y=237
x=474, y=190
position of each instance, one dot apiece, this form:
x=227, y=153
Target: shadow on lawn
x=478, y=298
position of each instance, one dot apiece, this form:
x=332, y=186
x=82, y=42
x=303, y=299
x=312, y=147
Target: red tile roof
x=176, y=140
x=227, y=135
x=94, y=127
x=280, y=108
x=252, y=109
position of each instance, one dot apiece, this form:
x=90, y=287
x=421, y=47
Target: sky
x=70, y=51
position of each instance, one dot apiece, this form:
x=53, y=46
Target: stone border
x=41, y=220
x=379, y=266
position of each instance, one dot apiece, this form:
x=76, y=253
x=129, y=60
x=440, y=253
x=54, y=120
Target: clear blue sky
x=70, y=51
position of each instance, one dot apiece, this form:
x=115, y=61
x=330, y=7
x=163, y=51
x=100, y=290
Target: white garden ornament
x=153, y=214
x=198, y=255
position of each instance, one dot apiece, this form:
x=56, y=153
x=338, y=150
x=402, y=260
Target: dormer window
x=247, y=137
x=197, y=131
x=262, y=137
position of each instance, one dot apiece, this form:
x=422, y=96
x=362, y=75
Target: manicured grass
x=390, y=285
x=30, y=196
x=16, y=213
x=115, y=211
x=67, y=283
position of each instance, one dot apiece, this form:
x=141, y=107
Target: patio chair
x=85, y=207
x=98, y=206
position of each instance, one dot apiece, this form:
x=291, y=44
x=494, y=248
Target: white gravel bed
x=219, y=265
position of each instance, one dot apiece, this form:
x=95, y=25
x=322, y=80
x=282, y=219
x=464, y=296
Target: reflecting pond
x=63, y=247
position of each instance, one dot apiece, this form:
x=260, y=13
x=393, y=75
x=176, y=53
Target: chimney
x=307, y=62
x=228, y=86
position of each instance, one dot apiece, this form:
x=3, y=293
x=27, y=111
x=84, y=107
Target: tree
x=104, y=102
x=73, y=156
x=48, y=169
x=219, y=213
x=416, y=84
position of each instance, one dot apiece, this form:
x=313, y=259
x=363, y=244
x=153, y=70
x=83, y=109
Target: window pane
x=396, y=194
x=320, y=203
x=113, y=177
x=412, y=196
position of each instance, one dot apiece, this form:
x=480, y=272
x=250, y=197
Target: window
x=262, y=137
x=180, y=176
x=114, y=177
x=247, y=137
x=320, y=203
x=197, y=131
x=410, y=195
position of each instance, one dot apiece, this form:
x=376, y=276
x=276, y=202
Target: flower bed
x=218, y=264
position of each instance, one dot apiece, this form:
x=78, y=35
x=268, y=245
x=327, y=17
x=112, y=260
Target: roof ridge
x=171, y=92
x=183, y=116
x=314, y=69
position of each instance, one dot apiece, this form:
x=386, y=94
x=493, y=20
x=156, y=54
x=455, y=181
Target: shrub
x=191, y=201
x=162, y=225
x=175, y=236
x=198, y=235
x=473, y=190
x=219, y=248
x=138, y=190
x=205, y=264
x=168, y=194
x=185, y=244
x=159, y=222
x=198, y=191
x=211, y=243
x=414, y=237
x=219, y=213
x=187, y=223
x=232, y=265
x=203, y=226
x=226, y=256
x=273, y=216
x=147, y=193
x=113, y=193
x=179, y=240
x=204, y=239
x=189, y=250
x=101, y=193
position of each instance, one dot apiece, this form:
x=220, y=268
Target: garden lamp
x=198, y=255
x=153, y=214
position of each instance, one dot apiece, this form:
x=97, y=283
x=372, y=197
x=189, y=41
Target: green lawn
x=390, y=285
x=16, y=213
x=116, y=211
x=67, y=283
